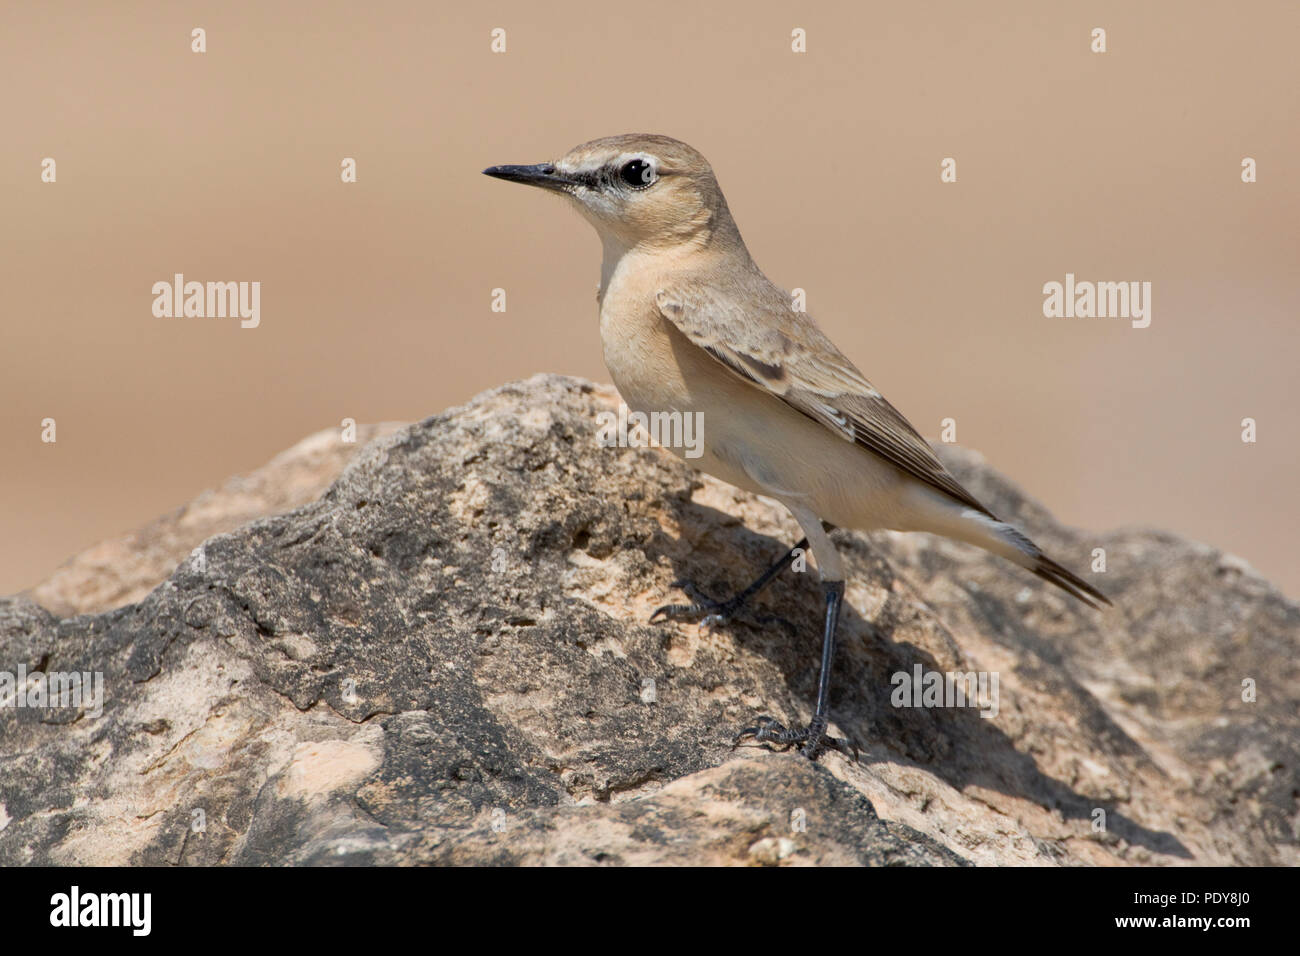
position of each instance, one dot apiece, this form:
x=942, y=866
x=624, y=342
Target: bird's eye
x=637, y=173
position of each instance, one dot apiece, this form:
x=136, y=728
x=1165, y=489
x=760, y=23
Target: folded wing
x=783, y=353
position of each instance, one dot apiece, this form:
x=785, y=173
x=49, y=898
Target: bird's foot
x=814, y=738
x=708, y=612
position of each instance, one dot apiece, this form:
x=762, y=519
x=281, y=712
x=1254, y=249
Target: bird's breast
x=639, y=354
x=634, y=336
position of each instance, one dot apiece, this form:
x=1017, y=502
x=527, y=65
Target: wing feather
x=782, y=352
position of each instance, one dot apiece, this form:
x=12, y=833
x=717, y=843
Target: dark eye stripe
x=606, y=175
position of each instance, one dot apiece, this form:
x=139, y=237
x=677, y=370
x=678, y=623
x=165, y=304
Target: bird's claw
x=710, y=613
x=814, y=738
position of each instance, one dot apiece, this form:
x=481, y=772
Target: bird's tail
x=1016, y=547
x=1067, y=581
x=979, y=528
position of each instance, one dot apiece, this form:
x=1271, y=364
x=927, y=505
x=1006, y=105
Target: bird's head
x=637, y=190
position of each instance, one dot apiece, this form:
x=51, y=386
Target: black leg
x=721, y=611
x=814, y=738
x=821, y=716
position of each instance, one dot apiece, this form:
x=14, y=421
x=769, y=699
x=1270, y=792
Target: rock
x=445, y=658
x=123, y=570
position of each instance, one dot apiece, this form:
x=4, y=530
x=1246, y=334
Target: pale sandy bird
x=690, y=324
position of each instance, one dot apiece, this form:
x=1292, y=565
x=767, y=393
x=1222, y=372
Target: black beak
x=543, y=174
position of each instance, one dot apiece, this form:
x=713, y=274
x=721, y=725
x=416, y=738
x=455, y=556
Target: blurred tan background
x=376, y=296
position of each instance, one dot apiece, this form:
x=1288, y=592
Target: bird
x=690, y=324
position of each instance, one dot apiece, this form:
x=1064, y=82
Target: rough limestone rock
x=123, y=570
x=446, y=658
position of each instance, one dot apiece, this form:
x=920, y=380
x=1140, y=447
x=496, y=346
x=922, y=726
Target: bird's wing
x=772, y=347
